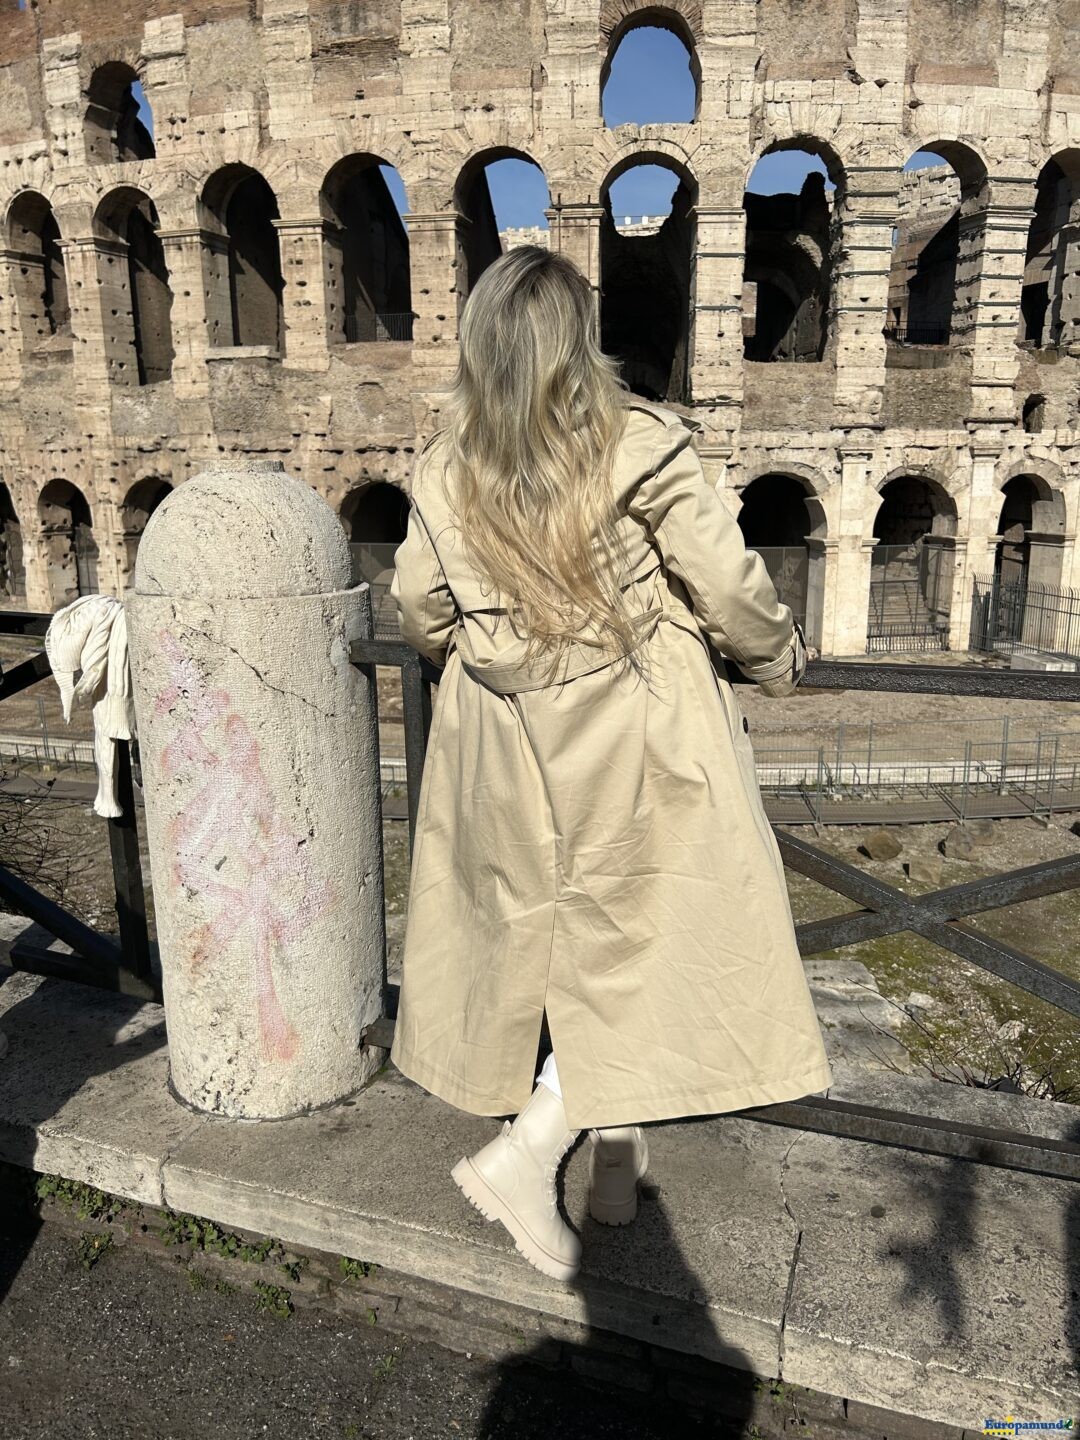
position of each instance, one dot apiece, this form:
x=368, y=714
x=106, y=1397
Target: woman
x=591, y=841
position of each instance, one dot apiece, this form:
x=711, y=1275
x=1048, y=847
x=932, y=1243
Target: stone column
x=847, y=598
x=860, y=303
x=12, y=329
x=184, y=258
x=303, y=264
x=999, y=240
x=437, y=268
x=975, y=555
x=716, y=340
x=575, y=233
x=259, y=755
x=90, y=354
x=36, y=565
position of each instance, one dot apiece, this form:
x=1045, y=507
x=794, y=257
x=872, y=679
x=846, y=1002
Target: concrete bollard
x=260, y=774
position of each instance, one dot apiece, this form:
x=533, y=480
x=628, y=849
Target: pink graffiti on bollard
x=233, y=820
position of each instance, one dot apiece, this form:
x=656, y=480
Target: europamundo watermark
x=1009, y=1425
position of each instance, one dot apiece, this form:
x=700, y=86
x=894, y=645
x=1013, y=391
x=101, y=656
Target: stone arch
x=782, y=517
x=479, y=242
x=1050, y=298
x=113, y=127
x=913, y=563
x=41, y=292
x=69, y=546
x=792, y=245
x=645, y=281
x=671, y=18
x=139, y=504
x=375, y=518
x=245, y=284
x=132, y=268
x=12, y=568
x=684, y=17
x=937, y=249
x=366, y=249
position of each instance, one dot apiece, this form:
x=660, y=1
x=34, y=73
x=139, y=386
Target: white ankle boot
x=620, y=1157
x=512, y=1179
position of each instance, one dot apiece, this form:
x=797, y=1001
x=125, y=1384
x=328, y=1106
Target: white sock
x=549, y=1075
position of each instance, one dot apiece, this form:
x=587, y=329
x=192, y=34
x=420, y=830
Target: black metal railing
x=918, y=334
x=883, y=910
x=126, y=962
x=1018, y=617
x=379, y=325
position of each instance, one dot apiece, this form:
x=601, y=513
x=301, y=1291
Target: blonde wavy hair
x=535, y=415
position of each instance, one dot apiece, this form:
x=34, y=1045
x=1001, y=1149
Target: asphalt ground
x=128, y=1350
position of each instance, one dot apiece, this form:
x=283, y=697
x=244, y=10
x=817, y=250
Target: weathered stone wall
x=290, y=88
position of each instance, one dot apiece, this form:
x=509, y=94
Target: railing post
x=966, y=782
x=416, y=707
x=820, y=783
x=127, y=872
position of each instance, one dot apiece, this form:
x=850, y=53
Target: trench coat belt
x=512, y=676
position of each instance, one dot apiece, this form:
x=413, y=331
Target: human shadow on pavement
x=546, y=1390
x=60, y=1036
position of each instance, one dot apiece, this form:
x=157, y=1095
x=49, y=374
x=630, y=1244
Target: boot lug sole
x=621, y=1214
x=480, y=1195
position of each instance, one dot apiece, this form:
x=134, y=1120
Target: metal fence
x=1017, y=617
x=375, y=563
x=379, y=325
x=789, y=570
x=125, y=963
x=983, y=769
x=918, y=334
x=910, y=595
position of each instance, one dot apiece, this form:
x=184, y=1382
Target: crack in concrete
x=793, y=1263
x=277, y=689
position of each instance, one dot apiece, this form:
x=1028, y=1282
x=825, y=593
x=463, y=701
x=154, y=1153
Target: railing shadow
x=59, y=1037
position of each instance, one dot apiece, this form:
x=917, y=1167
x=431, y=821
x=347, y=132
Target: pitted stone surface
x=243, y=530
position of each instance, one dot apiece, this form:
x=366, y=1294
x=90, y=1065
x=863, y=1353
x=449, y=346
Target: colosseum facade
x=886, y=365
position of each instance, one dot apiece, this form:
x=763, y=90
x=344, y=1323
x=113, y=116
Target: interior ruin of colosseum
x=886, y=363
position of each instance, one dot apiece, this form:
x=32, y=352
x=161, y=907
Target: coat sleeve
x=733, y=598
x=427, y=613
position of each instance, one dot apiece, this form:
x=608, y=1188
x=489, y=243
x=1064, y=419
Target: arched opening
x=502, y=195
x=68, y=543
x=936, y=246
x=1033, y=417
x=138, y=332
x=647, y=241
x=375, y=520
x=1013, y=551
x=912, y=566
x=245, y=286
x=367, y=252
x=41, y=281
x=143, y=499
x=1023, y=607
x=12, y=571
x=119, y=125
x=651, y=75
x=778, y=519
x=792, y=235
x=1050, y=298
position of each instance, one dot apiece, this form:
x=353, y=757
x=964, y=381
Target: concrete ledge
x=936, y=1288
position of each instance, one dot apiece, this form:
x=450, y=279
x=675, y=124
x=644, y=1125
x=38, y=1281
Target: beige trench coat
x=598, y=847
